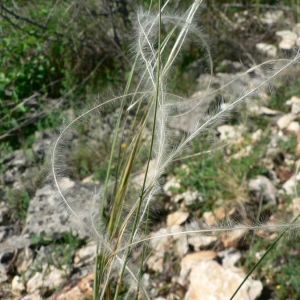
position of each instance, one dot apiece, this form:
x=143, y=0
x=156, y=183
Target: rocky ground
x=41, y=258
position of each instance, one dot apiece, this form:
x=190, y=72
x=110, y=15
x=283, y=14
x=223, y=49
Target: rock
x=55, y=279
x=288, y=39
x=267, y=49
x=199, y=241
x=290, y=185
x=209, y=280
x=85, y=255
x=74, y=293
x=34, y=296
x=228, y=132
x=91, y=179
x=138, y=180
x=7, y=231
x=294, y=102
x=275, y=139
x=296, y=29
x=155, y=262
x=3, y=273
x=189, y=261
x=81, y=291
x=243, y=152
x=177, y=218
x=191, y=197
x=285, y=121
x=269, y=112
x=9, y=251
x=24, y=260
x=12, y=175
x=220, y=212
x=287, y=44
x=296, y=206
x=261, y=110
x=40, y=148
x=161, y=240
x=256, y=136
x=232, y=237
x=283, y=173
x=272, y=17
x=146, y=280
x=8, y=255
x=297, y=149
x=49, y=279
x=16, y=159
x=35, y=283
x=191, y=112
x=171, y=184
x=4, y=213
x=209, y=218
x=45, y=214
x=229, y=257
x=181, y=246
x=167, y=240
x=188, y=197
x=293, y=127
x=18, y=242
x=17, y=285
x=44, y=260
x=261, y=186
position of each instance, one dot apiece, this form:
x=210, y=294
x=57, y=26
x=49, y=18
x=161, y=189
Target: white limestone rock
x=209, y=280
x=263, y=186
x=288, y=39
x=177, y=218
x=267, y=49
x=17, y=285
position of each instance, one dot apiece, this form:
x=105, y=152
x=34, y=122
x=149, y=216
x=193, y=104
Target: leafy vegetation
x=19, y=203
x=63, y=249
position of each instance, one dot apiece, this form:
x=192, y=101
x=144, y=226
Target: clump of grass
x=19, y=203
x=118, y=213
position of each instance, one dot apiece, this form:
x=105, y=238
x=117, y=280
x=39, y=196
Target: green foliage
x=5, y=149
x=46, y=53
x=289, y=145
x=215, y=178
x=100, y=173
x=63, y=248
x=259, y=121
x=27, y=65
x=44, y=240
x=282, y=94
x=280, y=271
x=19, y=203
x=286, y=279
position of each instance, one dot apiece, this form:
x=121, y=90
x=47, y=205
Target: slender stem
x=108, y=173
x=143, y=257
x=149, y=158
x=262, y=258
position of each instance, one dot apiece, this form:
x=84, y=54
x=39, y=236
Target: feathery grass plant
x=118, y=212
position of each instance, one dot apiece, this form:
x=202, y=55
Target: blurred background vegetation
x=57, y=54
